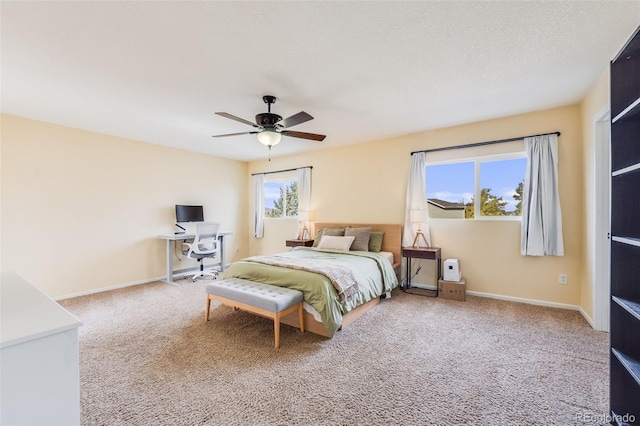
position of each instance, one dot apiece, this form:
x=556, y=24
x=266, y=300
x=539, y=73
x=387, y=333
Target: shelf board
x=629, y=169
x=626, y=240
x=631, y=365
x=629, y=111
x=632, y=307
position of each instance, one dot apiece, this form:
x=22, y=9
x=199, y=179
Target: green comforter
x=373, y=272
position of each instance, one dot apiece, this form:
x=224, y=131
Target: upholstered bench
x=258, y=298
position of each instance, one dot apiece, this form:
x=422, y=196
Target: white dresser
x=39, y=362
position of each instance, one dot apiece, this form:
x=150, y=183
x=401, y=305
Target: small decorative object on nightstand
x=422, y=253
x=298, y=243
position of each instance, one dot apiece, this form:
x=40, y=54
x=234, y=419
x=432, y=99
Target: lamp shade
x=269, y=137
x=304, y=215
x=417, y=216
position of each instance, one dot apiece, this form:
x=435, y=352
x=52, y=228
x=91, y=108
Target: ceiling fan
x=271, y=127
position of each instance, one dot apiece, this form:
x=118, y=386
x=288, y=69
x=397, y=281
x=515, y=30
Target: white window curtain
x=258, y=205
x=416, y=206
x=304, y=198
x=541, y=215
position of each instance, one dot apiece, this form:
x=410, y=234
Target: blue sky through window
x=454, y=182
x=503, y=178
x=450, y=182
x=271, y=193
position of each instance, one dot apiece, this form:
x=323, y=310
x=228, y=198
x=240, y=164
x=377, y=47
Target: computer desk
x=179, y=237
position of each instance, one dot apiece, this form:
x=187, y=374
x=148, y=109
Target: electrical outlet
x=562, y=279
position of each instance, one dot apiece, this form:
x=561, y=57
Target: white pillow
x=335, y=243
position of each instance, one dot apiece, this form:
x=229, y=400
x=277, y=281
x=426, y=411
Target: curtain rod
x=483, y=143
x=282, y=171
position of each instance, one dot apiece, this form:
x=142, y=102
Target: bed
x=329, y=306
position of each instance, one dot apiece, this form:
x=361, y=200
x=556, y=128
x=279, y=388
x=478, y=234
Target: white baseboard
x=130, y=284
x=528, y=301
x=424, y=286
x=588, y=318
x=103, y=289
x=536, y=302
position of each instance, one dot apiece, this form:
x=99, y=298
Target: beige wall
x=366, y=183
x=81, y=210
x=593, y=104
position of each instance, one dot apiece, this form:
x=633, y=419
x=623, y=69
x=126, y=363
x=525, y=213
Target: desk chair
x=204, y=245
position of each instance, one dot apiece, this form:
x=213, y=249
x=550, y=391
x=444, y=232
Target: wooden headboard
x=392, y=241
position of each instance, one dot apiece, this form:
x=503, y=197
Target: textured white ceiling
x=157, y=71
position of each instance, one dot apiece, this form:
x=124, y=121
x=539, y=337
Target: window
x=281, y=198
x=497, y=181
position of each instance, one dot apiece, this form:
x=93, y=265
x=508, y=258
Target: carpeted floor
x=147, y=357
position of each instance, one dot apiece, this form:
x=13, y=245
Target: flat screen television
x=189, y=213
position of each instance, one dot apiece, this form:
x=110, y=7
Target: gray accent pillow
x=375, y=241
x=361, y=243
x=334, y=232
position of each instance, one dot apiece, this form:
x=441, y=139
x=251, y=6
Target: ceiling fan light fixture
x=269, y=138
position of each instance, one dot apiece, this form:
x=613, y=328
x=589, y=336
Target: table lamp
x=304, y=217
x=417, y=216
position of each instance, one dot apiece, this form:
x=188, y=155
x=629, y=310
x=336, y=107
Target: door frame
x=602, y=251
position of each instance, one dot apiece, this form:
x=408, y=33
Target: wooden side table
x=298, y=243
x=433, y=253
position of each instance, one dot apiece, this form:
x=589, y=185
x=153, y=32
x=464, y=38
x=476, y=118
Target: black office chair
x=204, y=245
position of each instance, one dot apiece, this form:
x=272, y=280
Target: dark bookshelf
x=625, y=234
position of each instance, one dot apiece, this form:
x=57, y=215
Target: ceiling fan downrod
x=269, y=100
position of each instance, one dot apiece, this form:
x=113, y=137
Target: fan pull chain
x=269, y=152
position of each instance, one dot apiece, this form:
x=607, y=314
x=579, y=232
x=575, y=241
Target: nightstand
x=433, y=253
x=299, y=243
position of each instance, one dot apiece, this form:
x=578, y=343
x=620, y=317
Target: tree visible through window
x=281, y=198
x=453, y=188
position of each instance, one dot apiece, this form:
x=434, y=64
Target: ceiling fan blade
x=234, y=134
x=303, y=135
x=294, y=120
x=233, y=117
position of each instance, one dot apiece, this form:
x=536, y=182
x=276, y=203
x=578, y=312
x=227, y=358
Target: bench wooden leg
x=206, y=312
x=276, y=329
x=301, y=314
